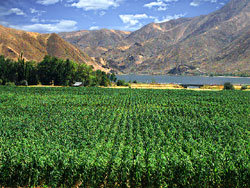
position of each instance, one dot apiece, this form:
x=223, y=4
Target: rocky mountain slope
x=35, y=46
x=214, y=43
x=95, y=42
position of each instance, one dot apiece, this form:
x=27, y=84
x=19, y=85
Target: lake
x=216, y=80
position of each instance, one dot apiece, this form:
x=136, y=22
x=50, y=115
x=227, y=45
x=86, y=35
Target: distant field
x=174, y=86
x=95, y=137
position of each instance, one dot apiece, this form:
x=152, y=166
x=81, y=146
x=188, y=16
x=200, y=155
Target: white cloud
x=94, y=28
x=162, y=8
x=33, y=11
x=47, y=2
x=132, y=19
x=168, y=18
x=37, y=12
x=36, y=15
x=16, y=11
x=155, y=4
x=96, y=4
x=196, y=3
x=35, y=20
x=170, y=1
x=60, y=26
x=161, y=4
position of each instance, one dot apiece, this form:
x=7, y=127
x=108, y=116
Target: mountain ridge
x=192, y=42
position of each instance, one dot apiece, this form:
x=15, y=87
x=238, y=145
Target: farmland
x=96, y=137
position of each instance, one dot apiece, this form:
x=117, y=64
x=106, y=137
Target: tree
x=22, y=69
x=51, y=70
x=65, y=72
x=32, y=73
x=113, y=77
x=105, y=81
x=122, y=83
x=101, y=78
x=8, y=70
x=47, y=70
x=68, y=72
x=228, y=86
x=84, y=74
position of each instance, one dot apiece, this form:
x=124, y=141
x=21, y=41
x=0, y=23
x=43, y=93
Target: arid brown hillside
x=236, y=54
x=35, y=46
x=205, y=44
x=96, y=42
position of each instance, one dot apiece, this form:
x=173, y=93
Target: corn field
x=95, y=137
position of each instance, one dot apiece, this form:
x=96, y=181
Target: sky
x=53, y=16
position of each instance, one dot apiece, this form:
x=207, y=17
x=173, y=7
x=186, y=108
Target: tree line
x=51, y=70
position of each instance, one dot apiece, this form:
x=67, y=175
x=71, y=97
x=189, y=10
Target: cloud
x=96, y=4
x=162, y=8
x=59, y=26
x=15, y=11
x=47, y=2
x=196, y=3
x=168, y=18
x=161, y=4
x=170, y=1
x=131, y=19
x=33, y=11
x=37, y=12
x=94, y=28
x=155, y=4
x=36, y=15
x=35, y=20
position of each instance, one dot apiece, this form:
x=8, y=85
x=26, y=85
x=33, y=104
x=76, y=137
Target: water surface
x=216, y=80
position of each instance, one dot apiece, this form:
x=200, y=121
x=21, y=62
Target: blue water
x=184, y=79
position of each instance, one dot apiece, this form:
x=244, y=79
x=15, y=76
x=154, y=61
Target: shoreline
x=154, y=86
x=174, y=86
x=205, y=76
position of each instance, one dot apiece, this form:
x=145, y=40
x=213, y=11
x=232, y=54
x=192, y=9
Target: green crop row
x=94, y=137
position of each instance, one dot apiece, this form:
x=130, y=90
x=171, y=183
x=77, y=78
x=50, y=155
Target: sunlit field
x=96, y=137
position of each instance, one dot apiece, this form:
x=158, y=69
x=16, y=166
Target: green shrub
x=23, y=83
x=1, y=82
x=122, y=83
x=228, y=86
x=243, y=87
x=67, y=83
x=135, y=82
x=10, y=84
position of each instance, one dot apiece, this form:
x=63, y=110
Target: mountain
x=35, y=46
x=236, y=54
x=213, y=43
x=95, y=42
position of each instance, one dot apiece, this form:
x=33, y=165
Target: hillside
x=35, y=46
x=204, y=44
x=96, y=42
